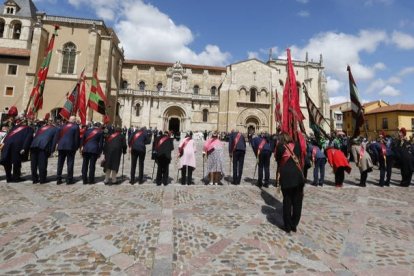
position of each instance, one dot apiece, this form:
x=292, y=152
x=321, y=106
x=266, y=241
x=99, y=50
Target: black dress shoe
x=43, y=182
x=131, y=182
x=35, y=181
x=141, y=181
x=70, y=182
x=18, y=179
x=85, y=182
x=59, y=181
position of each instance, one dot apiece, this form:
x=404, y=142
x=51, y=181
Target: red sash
x=11, y=134
x=161, y=141
x=361, y=152
x=313, y=153
x=112, y=137
x=64, y=130
x=286, y=155
x=384, y=152
x=91, y=135
x=261, y=146
x=136, y=136
x=181, y=149
x=42, y=130
x=236, y=141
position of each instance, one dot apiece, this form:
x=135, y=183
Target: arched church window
x=69, y=58
x=124, y=84
x=159, y=86
x=213, y=91
x=253, y=93
x=196, y=89
x=137, y=109
x=118, y=107
x=205, y=115
x=17, y=29
x=141, y=86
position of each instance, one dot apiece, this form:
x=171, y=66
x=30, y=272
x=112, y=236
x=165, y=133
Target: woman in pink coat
x=186, y=153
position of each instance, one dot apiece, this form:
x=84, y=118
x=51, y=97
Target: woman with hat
x=213, y=149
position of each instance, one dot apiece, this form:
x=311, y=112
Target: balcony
x=167, y=95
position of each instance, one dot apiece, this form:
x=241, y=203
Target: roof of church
x=169, y=64
x=27, y=8
x=394, y=107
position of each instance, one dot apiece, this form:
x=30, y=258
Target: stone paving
x=203, y=230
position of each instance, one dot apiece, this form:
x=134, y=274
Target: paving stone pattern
x=203, y=230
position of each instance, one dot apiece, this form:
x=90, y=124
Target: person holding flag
x=237, y=151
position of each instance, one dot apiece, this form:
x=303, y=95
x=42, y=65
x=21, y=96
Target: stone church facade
x=173, y=96
x=240, y=96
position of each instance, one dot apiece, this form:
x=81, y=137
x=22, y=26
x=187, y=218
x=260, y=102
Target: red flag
x=72, y=102
x=36, y=96
x=97, y=99
x=82, y=99
x=292, y=114
x=278, y=112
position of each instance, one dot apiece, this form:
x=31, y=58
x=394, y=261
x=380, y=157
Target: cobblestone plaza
x=203, y=230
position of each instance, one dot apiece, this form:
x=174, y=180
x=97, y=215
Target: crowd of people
x=22, y=140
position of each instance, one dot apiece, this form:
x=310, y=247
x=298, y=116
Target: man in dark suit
x=16, y=149
x=137, y=142
x=237, y=151
x=67, y=142
x=40, y=150
x=91, y=149
x=162, y=148
x=263, y=147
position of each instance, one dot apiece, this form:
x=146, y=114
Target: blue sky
x=375, y=37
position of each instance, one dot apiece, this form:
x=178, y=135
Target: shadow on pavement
x=273, y=209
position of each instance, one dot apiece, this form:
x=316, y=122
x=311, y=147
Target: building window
x=124, y=84
x=1, y=28
x=196, y=89
x=213, y=91
x=10, y=10
x=12, y=70
x=159, y=86
x=205, y=115
x=17, y=28
x=137, y=108
x=9, y=91
x=384, y=123
x=69, y=58
x=141, y=86
x=253, y=93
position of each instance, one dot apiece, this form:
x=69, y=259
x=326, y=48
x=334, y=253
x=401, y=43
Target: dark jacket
x=44, y=140
x=164, y=150
x=268, y=146
x=69, y=139
x=241, y=145
x=94, y=144
x=21, y=140
x=141, y=141
x=290, y=175
x=113, y=151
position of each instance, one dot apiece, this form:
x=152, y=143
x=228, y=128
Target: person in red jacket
x=339, y=163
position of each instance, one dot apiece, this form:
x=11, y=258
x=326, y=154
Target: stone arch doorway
x=252, y=124
x=174, y=119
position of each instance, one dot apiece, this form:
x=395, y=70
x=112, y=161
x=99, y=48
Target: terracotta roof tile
x=394, y=107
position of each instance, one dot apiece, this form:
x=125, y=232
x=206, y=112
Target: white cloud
x=337, y=100
x=376, y=85
x=302, y=1
x=406, y=71
x=251, y=55
x=148, y=33
x=379, y=66
x=375, y=2
x=402, y=40
x=394, y=80
x=333, y=86
x=341, y=49
x=389, y=91
x=304, y=13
